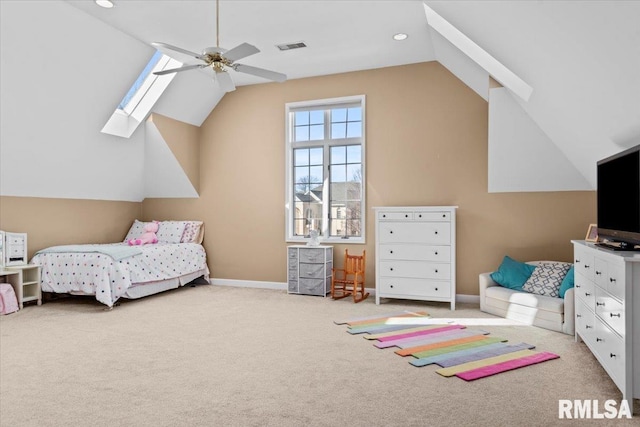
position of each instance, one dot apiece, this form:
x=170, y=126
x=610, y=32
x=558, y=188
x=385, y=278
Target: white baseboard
x=282, y=286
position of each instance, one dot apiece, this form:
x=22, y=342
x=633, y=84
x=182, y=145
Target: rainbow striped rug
x=459, y=351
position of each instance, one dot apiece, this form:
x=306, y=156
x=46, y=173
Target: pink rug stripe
x=418, y=333
x=486, y=371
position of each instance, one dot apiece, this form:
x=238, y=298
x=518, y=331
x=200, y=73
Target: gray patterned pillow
x=546, y=278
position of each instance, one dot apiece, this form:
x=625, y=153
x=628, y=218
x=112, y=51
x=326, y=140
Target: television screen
x=619, y=197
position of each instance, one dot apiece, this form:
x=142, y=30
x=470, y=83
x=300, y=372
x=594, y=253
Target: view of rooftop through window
x=139, y=83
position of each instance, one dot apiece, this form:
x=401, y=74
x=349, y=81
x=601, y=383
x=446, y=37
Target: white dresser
x=607, y=295
x=310, y=269
x=416, y=253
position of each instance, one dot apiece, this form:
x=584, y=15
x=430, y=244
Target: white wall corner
x=163, y=175
x=521, y=156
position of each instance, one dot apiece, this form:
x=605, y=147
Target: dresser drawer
x=585, y=291
x=414, y=252
x=584, y=263
x=293, y=255
x=433, y=233
x=314, y=286
x=610, y=348
x=432, y=216
x=292, y=286
x=312, y=255
x=585, y=322
x=392, y=216
x=314, y=270
x=610, y=311
x=616, y=280
x=415, y=269
x=417, y=287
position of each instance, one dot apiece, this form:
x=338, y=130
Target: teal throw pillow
x=567, y=283
x=512, y=274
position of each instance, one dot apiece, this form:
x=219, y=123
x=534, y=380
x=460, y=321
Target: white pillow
x=136, y=230
x=170, y=231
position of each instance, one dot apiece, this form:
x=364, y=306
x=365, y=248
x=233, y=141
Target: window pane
x=337, y=227
x=355, y=114
x=301, y=156
x=299, y=227
x=315, y=172
x=339, y=115
x=354, y=129
x=338, y=155
x=302, y=133
x=301, y=175
x=315, y=156
x=338, y=130
x=317, y=117
x=316, y=132
x=354, y=173
x=315, y=195
x=301, y=189
x=302, y=118
x=354, y=154
x=353, y=191
x=353, y=228
x=338, y=173
x=338, y=191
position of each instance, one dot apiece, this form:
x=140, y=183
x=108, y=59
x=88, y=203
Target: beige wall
x=426, y=145
x=50, y=222
x=184, y=141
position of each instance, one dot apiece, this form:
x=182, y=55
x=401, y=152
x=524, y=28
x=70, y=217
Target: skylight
x=141, y=97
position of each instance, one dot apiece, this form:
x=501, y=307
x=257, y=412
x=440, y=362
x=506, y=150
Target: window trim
x=291, y=107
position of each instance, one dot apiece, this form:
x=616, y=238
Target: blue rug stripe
x=439, y=337
x=464, y=356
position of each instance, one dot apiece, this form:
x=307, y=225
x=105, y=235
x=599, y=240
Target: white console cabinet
x=416, y=253
x=607, y=297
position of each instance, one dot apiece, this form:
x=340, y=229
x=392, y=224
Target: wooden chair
x=349, y=280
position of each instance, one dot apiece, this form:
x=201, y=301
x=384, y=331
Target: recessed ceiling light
x=400, y=36
x=107, y=4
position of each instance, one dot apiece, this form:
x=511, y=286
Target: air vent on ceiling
x=290, y=46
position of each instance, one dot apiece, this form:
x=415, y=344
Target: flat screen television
x=618, y=198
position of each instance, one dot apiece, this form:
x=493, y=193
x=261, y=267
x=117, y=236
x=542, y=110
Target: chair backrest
x=354, y=263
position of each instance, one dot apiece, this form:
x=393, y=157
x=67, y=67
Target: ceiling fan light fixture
x=400, y=36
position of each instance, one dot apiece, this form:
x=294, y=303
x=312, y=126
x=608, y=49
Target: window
x=325, y=169
x=141, y=97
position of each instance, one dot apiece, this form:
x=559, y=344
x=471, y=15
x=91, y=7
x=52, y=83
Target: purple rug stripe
x=486, y=371
x=378, y=316
x=428, y=339
x=419, y=333
x=484, y=354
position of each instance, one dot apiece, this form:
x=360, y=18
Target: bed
x=117, y=270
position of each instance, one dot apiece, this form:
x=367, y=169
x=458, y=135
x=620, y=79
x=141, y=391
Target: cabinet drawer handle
x=586, y=266
x=384, y=216
x=420, y=216
x=390, y=252
x=390, y=231
x=406, y=216
x=587, y=294
x=436, y=289
x=578, y=315
x=436, y=270
x=577, y=260
x=611, y=279
x=436, y=252
x=612, y=355
x=614, y=315
x=598, y=273
x=391, y=286
x=599, y=340
x=436, y=232
x=588, y=327
x=578, y=286
x=599, y=303
x=444, y=215
x=391, y=268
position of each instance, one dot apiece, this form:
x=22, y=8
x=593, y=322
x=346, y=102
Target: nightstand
x=27, y=283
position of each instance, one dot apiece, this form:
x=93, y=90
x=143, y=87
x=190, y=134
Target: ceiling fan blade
x=225, y=82
x=175, y=70
x=260, y=72
x=241, y=51
x=177, y=49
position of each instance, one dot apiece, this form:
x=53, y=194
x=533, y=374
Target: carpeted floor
x=223, y=356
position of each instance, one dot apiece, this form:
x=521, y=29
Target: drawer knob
x=612, y=355
x=390, y=252
x=599, y=340
x=436, y=289
x=436, y=232
x=578, y=286
x=436, y=270
x=391, y=286
x=614, y=315
x=599, y=303
x=588, y=327
x=436, y=252
x=598, y=273
x=586, y=266
x=578, y=315
x=611, y=279
x=577, y=261
x=420, y=216
x=444, y=216
x=587, y=294
x=406, y=216
x=390, y=231
x=384, y=216
x=391, y=268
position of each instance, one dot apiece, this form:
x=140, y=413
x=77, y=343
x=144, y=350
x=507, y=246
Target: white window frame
x=290, y=108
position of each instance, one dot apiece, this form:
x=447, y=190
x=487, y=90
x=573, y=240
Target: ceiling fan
x=220, y=60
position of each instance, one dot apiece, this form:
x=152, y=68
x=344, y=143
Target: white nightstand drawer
x=610, y=311
x=585, y=290
x=610, y=348
x=615, y=281
x=583, y=263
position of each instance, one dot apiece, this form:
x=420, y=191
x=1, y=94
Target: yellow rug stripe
x=449, y=372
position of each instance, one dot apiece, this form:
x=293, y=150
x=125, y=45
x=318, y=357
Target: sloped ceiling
x=582, y=59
